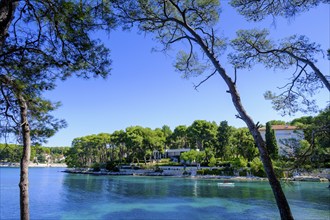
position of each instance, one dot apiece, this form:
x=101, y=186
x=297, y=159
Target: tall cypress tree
x=271, y=142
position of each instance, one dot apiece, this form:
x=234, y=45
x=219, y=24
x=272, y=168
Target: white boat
x=226, y=184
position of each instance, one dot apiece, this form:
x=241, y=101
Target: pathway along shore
x=179, y=172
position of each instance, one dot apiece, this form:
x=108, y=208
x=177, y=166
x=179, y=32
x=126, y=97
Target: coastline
x=194, y=176
x=41, y=165
x=168, y=172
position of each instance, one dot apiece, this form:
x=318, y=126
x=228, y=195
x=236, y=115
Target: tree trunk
x=282, y=203
x=281, y=200
x=24, y=173
x=7, y=10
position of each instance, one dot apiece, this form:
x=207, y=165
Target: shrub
x=257, y=168
x=111, y=166
x=200, y=172
x=96, y=167
x=212, y=162
x=243, y=172
x=240, y=162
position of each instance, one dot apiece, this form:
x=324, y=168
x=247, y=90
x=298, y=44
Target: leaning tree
x=42, y=42
x=174, y=21
x=297, y=52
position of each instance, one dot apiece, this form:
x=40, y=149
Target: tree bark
x=281, y=201
x=7, y=11
x=24, y=163
x=24, y=173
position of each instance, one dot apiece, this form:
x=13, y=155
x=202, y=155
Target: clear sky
x=144, y=89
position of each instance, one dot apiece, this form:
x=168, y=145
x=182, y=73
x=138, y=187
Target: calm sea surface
x=58, y=195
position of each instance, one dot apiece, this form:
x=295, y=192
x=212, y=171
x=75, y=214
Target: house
x=286, y=136
x=173, y=154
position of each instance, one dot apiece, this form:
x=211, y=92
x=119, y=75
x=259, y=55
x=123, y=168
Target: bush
x=96, y=167
x=278, y=168
x=200, y=172
x=257, y=168
x=243, y=172
x=111, y=166
x=240, y=162
x=212, y=162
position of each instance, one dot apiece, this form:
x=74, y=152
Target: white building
x=283, y=134
x=174, y=154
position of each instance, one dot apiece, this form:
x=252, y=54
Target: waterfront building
x=287, y=138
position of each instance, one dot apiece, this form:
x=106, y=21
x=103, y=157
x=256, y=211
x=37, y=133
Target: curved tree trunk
x=24, y=173
x=279, y=195
x=282, y=203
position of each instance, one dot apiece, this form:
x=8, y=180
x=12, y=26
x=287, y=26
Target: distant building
x=173, y=154
x=283, y=134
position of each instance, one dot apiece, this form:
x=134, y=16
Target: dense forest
x=211, y=144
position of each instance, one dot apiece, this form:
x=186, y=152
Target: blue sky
x=144, y=89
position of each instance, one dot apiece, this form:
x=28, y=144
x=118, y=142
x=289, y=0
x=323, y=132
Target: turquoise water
x=58, y=195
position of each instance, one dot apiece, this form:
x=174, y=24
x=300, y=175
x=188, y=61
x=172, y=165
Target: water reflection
x=57, y=195
x=127, y=197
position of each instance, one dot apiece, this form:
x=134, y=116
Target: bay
x=58, y=195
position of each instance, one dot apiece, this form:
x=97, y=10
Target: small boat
x=226, y=184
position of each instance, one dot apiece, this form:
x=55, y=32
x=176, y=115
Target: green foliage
x=240, y=162
x=10, y=152
x=212, y=162
x=139, y=143
x=255, y=47
x=112, y=166
x=223, y=138
x=257, y=168
x=277, y=122
x=305, y=120
x=13, y=153
x=48, y=41
x=200, y=172
x=88, y=150
x=96, y=167
x=271, y=143
x=243, y=143
x=189, y=156
x=316, y=146
x=179, y=137
x=278, y=168
x=202, y=134
x=259, y=10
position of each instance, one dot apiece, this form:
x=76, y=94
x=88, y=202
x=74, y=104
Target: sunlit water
x=58, y=195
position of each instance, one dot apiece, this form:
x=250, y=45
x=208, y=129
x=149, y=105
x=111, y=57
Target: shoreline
x=41, y=165
x=169, y=172
x=159, y=174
